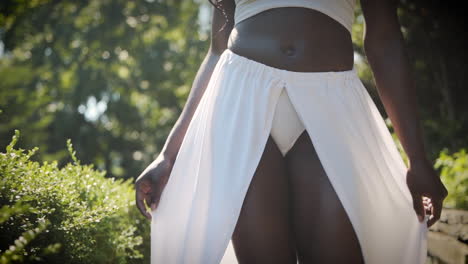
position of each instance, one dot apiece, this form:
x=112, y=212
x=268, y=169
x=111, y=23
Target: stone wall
x=448, y=238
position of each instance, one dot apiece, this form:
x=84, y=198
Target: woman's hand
x=422, y=180
x=150, y=184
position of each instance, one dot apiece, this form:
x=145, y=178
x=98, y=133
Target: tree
x=112, y=75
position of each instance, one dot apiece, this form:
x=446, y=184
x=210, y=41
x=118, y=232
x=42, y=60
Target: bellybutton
x=289, y=50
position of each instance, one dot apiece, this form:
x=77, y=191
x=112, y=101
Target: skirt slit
x=225, y=140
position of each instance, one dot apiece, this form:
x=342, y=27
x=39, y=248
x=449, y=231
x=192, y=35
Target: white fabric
x=340, y=10
x=201, y=203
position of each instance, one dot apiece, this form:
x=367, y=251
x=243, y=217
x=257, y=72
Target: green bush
x=72, y=214
x=15, y=252
x=454, y=174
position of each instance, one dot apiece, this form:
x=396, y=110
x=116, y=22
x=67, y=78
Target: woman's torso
x=294, y=38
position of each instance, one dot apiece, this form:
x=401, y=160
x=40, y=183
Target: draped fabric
x=224, y=142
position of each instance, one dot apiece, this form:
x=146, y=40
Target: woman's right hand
x=150, y=184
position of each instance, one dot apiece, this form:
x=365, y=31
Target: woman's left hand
x=427, y=190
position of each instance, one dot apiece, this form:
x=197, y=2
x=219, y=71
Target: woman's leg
x=323, y=231
x=263, y=232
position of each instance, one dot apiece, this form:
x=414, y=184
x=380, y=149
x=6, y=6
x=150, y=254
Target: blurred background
x=112, y=77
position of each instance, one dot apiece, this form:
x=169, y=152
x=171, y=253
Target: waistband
x=288, y=75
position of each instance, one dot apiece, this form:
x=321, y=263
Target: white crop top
x=340, y=10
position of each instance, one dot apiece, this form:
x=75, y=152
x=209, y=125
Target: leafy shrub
x=454, y=174
x=69, y=215
x=13, y=253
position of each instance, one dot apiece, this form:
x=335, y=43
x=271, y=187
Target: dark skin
x=305, y=40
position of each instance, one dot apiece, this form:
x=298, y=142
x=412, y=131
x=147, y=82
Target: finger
x=430, y=206
x=154, y=200
x=154, y=205
x=418, y=207
x=147, y=199
x=426, y=199
x=427, y=206
x=141, y=206
x=436, y=211
x=430, y=221
x=428, y=213
x=156, y=194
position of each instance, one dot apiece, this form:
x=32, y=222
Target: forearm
x=177, y=134
x=396, y=88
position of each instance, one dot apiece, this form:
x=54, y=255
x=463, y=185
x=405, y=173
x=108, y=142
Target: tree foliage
x=434, y=38
x=112, y=75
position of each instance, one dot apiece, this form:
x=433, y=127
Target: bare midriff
x=295, y=39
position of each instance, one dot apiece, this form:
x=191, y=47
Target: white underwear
x=287, y=126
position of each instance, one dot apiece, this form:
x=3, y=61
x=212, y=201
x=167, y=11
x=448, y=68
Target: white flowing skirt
x=225, y=140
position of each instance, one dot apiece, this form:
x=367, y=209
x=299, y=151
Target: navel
x=289, y=50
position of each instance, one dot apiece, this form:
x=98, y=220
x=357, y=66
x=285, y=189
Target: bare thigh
x=263, y=232
x=322, y=229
